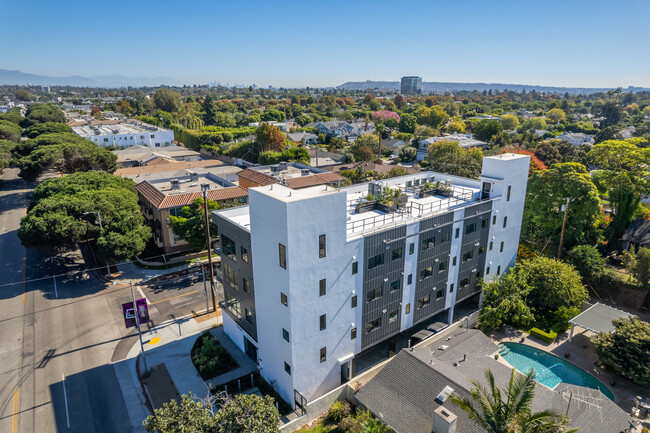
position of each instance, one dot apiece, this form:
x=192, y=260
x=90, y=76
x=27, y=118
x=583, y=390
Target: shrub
x=548, y=337
x=562, y=317
x=351, y=424
x=210, y=358
x=338, y=411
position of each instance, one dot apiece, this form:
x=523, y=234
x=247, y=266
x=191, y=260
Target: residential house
x=318, y=283
x=303, y=137
x=124, y=134
x=348, y=131
x=576, y=138
x=465, y=141
x=143, y=155
x=637, y=235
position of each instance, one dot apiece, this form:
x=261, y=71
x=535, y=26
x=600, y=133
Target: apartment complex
x=315, y=278
x=125, y=134
x=411, y=86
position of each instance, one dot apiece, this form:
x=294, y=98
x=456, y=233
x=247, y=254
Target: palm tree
x=513, y=415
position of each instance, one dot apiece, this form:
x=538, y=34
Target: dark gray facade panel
x=475, y=242
x=244, y=270
x=381, y=277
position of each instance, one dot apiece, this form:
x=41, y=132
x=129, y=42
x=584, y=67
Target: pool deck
x=582, y=354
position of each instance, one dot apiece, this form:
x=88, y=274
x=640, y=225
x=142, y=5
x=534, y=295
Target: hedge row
x=208, y=135
x=548, y=337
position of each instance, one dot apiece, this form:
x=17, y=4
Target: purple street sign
x=129, y=313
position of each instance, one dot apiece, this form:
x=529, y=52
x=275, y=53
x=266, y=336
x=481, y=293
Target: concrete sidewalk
x=169, y=343
x=130, y=272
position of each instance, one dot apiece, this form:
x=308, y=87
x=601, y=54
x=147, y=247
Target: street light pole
x=101, y=227
x=207, y=242
x=566, y=210
x=137, y=323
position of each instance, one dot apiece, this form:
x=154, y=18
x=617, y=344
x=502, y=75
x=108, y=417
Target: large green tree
x=626, y=175
x=547, y=193
x=626, y=351
x=190, y=416
x=504, y=301
x=448, y=157
x=486, y=129
x=268, y=137
x=513, y=412
x=167, y=100
x=10, y=131
x=42, y=113
x=46, y=128
x=190, y=224
x=435, y=116
x=248, y=413
x=58, y=215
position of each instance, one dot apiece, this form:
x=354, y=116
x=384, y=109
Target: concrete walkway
x=170, y=344
x=246, y=365
x=130, y=272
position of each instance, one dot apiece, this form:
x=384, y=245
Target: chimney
x=444, y=421
x=175, y=184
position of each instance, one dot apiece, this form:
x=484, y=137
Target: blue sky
x=308, y=43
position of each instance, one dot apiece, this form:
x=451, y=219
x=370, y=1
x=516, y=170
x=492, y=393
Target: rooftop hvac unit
x=205, y=187
x=175, y=184
x=283, y=166
x=194, y=176
x=275, y=168
x=305, y=172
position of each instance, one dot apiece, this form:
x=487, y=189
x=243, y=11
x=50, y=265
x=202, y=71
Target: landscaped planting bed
x=210, y=358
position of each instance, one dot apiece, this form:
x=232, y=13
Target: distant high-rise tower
x=411, y=85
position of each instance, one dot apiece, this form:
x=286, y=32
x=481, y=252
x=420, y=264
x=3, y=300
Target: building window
x=446, y=237
x=374, y=294
x=409, y=279
x=409, y=183
x=487, y=271
x=468, y=255
x=392, y=316
x=249, y=315
x=373, y=324
x=426, y=273
x=282, y=250
x=478, y=275
x=457, y=232
x=407, y=310
x=484, y=223
x=394, y=286
x=230, y=276
x=508, y=193
x=442, y=266
x=451, y=288
x=375, y=261
x=323, y=354
x=284, y=299
x=354, y=301
x=355, y=268
x=233, y=305
x=481, y=249
x=501, y=247
x=246, y=285
x=244, y=254
x=411, y=248
x=397, y=254
x=228, y=247
x=505, y=221
x=152, y=136
x=471, y=228
x=440, y=293
x=491, y=245
x=498, y=270
x=105, y=140
x=423, y=302
x=323, y=322
x=494, y=220
x=453, y=261
x=464, y=282
x=285, y=334
x=142, y=137
x=353, y=333
x=287, y=368
x=322, y=287
x=428, y=243
x=321, y=246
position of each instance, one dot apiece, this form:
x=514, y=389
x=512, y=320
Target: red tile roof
x=313, y=180
x=161, y=201
x=256, y=177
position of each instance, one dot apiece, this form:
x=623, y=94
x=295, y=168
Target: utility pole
x=207, y=242
x=137, y=323
x=566, y=210
x=205, y=289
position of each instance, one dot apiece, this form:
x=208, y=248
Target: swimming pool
x=550, y=370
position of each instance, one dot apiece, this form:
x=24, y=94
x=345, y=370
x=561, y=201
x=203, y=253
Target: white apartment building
x=126, y=134
x=314, y=283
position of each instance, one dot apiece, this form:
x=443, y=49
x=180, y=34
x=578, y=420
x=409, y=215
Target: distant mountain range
x=440, y=87
x=22, y=78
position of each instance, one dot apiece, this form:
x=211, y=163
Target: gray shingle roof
x=403, y=394
x=638, y=232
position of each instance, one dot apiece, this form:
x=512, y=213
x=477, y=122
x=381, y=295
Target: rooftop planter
x=389, y=201
x=437, y=188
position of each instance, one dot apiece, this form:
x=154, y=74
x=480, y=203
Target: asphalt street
x=60, y=328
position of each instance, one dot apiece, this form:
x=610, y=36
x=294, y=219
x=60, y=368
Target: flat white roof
x=129, y=127
x=288, y=195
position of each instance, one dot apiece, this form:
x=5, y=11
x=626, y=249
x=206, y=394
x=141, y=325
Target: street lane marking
x=174, y=297
x=142, y=294
x=65, y=399
x=154, y=340
x=14, y=414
